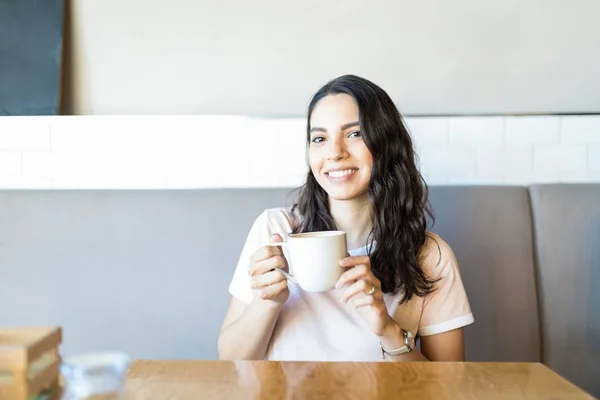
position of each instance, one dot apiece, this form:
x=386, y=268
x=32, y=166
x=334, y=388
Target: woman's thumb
x=276, y=238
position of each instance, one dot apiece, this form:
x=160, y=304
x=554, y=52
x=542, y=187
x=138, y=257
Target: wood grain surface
x=148, y=380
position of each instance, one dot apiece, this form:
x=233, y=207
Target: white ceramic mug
x=314, y=259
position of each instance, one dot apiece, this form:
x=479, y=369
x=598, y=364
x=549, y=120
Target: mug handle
x=287, y=275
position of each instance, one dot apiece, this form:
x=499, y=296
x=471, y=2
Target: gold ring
x=370, y=292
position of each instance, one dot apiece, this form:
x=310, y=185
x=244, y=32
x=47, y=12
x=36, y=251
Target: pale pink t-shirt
x=318, y=327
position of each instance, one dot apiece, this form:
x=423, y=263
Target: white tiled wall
x=213, y=151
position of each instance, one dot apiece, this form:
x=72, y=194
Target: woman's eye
x=318, y=139
x=354, y=134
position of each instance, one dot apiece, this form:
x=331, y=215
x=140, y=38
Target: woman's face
x=338, y=157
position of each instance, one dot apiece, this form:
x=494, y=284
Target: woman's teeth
x=339, y=174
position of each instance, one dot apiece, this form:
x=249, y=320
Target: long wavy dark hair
x=397, y=192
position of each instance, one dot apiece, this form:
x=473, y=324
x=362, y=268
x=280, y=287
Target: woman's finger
x=270, y=278
x=265, y=253
x=271, y=291
x=359, y=272
x=357, y=260
x=362, y=287
x=264, y=266
x=373, y=301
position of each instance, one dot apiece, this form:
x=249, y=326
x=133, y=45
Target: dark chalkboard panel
x=30, y=56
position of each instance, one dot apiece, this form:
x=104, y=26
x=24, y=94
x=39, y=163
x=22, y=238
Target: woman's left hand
x=364, y=292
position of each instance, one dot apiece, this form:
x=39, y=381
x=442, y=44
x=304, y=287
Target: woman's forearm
x=247, y=338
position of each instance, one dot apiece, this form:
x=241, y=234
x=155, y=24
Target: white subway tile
x=454, y=162
x=560, y=158
x=73, y=182
x=496, y=162
x=223, y=151
x=495, y=175
x=263, y=157
x=36, y=183
x=10, y=164
x=80, y=133
x=24, y=133
x=476, y=131
x=86, y=169
x=532, y=130
x=132, y=181
x=204, y=175
x=293, y=180
x=428, y=131
x=139, y=169
x=39, y=164
x=579, y=177
x=25, y=183
x=193, y=168
x=174, y=164
x=489, y=176
x=201, y=131
x=190, y=154
x=206, y=151
x=104, y=133
x=580, y=129
x=246, y=155
x=435, y=177
x=477, y=180
x=594, y=157
x=289, y=157
x=531, y=178
x=70, y=133
x=274, y=156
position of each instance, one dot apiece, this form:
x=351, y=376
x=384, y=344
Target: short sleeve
x=258, y=236
x=447, y=307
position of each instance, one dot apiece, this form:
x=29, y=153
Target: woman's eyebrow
x=349, y=125
x=343, y=127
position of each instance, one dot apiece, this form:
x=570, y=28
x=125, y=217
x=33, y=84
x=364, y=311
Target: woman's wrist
x=392, y=336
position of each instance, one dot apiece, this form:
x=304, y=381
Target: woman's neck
x=354, y=218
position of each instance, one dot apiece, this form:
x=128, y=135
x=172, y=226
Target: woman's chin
x=347, y=195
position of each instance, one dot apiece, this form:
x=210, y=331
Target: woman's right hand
x=268, y=283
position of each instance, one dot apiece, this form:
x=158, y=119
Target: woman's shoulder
x=436, y=255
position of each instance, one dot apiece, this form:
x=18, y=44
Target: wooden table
x=216, y=380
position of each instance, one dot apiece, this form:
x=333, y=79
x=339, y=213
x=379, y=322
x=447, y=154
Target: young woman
x=400, y=281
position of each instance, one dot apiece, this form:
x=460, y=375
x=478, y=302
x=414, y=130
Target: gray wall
x=267, y=57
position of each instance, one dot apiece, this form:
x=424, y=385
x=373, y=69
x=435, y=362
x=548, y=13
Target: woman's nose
x=337, y=150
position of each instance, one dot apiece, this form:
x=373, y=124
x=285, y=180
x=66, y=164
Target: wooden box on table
x=29, y=363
